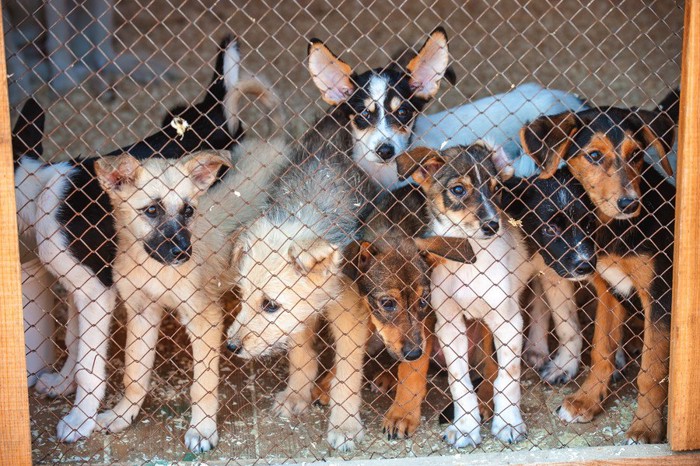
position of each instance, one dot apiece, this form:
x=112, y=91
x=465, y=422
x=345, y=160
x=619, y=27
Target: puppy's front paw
x=581, y=407
x=290, y=404
x=344, y=438
x=458, y=438
x=119, y=418
x=509, y=427
x=202, y=437
x=536, y=357
x=400, y=423
x=53, y=384
x=75, y=426
x=646, y=430
x=559, y=371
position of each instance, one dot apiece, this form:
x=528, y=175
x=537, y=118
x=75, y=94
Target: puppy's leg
x=63, y=382
x=95, y=305
x=205, y=329
x=403, y=417
x=536, y=352
x=303, y=368
x=648, y=425
x=489, y=372
x=320, y=393
x=588, y=401
x=565, y=364
x=451, y=330
x=506, y=323
x=348, y=319
x=139, y=354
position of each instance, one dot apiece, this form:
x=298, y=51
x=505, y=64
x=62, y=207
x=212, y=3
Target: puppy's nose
x=628, y=204
x=490, y=228
x=234, y=347
x=585, y=266
x=386, y=151
x=411, y=352
x=180, y=247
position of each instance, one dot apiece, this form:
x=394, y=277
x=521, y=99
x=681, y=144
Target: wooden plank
x=684, y=393
x=15, y=438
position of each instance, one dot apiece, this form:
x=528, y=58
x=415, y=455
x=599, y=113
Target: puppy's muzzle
x=386, y=152
x=628, y=205
x=234, y=346
x=490, y=228
x=584, y=266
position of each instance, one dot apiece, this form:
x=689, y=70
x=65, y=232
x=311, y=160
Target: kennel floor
x=249, y=431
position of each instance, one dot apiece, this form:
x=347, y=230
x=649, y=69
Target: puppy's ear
x=548, y=138
x=429, y=66
x=28, y=133
x=503, y=163
x=658, y=131
x=116, y=172
x=329, y=73
x=421, y=163
x=359, y=256
x=203, y=167
x=438, y=248
x=315, y=259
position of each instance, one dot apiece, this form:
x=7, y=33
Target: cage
x=305, y=304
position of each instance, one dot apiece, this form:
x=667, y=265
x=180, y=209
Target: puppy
x=287, y=264
x=378, y=108
x=157, y=266
x=66, y=210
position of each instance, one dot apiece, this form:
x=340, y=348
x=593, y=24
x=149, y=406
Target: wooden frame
x=684, y=395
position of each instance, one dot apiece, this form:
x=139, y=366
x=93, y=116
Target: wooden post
x=15, y=438
x=684, y=393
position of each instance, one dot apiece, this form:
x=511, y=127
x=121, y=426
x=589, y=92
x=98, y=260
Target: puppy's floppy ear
x=421, y=163
x=116, y=172
x=429, y=66
x=329, y=73
x=548, y=138
x=202, y=167
x=438, y=248
x=315, y=259
x=359, y=256
x=658, y=131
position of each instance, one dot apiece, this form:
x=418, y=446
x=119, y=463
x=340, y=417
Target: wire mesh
x=240, y=245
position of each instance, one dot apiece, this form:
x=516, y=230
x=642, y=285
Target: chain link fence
x=285, y=232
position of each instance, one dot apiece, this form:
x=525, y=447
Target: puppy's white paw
x=461, y=439
x=345, y=437
x=509, y=427
x=117, y=419
x=75, y=426
x=202, y=437
x=290, y=403
x=560, y=370
x=536, y=357
x=53, y=384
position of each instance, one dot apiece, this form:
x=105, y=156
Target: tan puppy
x=161, y=250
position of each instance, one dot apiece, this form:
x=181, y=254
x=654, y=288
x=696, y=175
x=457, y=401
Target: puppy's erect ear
x=116, y=172
x=421, y=163
x=358, y=258
x=330, y=74
x=439, y=248
x=28, y=133
x=548, y=138
x=503, y=163
x=658, y=131
x=429, y=66
x=318, y=258
x=202, y=168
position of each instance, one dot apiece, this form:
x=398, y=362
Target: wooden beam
x=684, y=391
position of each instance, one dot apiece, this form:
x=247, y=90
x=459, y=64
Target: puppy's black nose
x=585, y=267
x=490, y=228
x=386, y=151
x=627, y=204
x=180, y=247
x=233, y=347
x=411, y=354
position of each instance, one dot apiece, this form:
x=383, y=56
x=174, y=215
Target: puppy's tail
x=670, y=105
x=28, y=133
x=260, y=95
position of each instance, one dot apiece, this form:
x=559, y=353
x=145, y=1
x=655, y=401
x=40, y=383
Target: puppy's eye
x=402, y=113
x=596, y=156
x=636, y=156
x=551, y=230
x=388, y=304
x=188, y=211
x=423, y=303
x=270, y=306
x=458, y=190
x=151, y=211
x=366, y=114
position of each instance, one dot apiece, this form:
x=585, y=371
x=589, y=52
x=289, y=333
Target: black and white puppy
x=64, y=208
x=379, y=107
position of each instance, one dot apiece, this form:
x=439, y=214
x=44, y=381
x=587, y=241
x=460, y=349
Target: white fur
x=499, y=117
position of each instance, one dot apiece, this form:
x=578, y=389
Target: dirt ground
x=622, y=53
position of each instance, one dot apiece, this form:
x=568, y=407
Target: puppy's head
x=393, y=275
x=155, y=201
x=460, y=184
x=558, y=219
x=604, y=147
x=381, y=103
x=282, y=283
